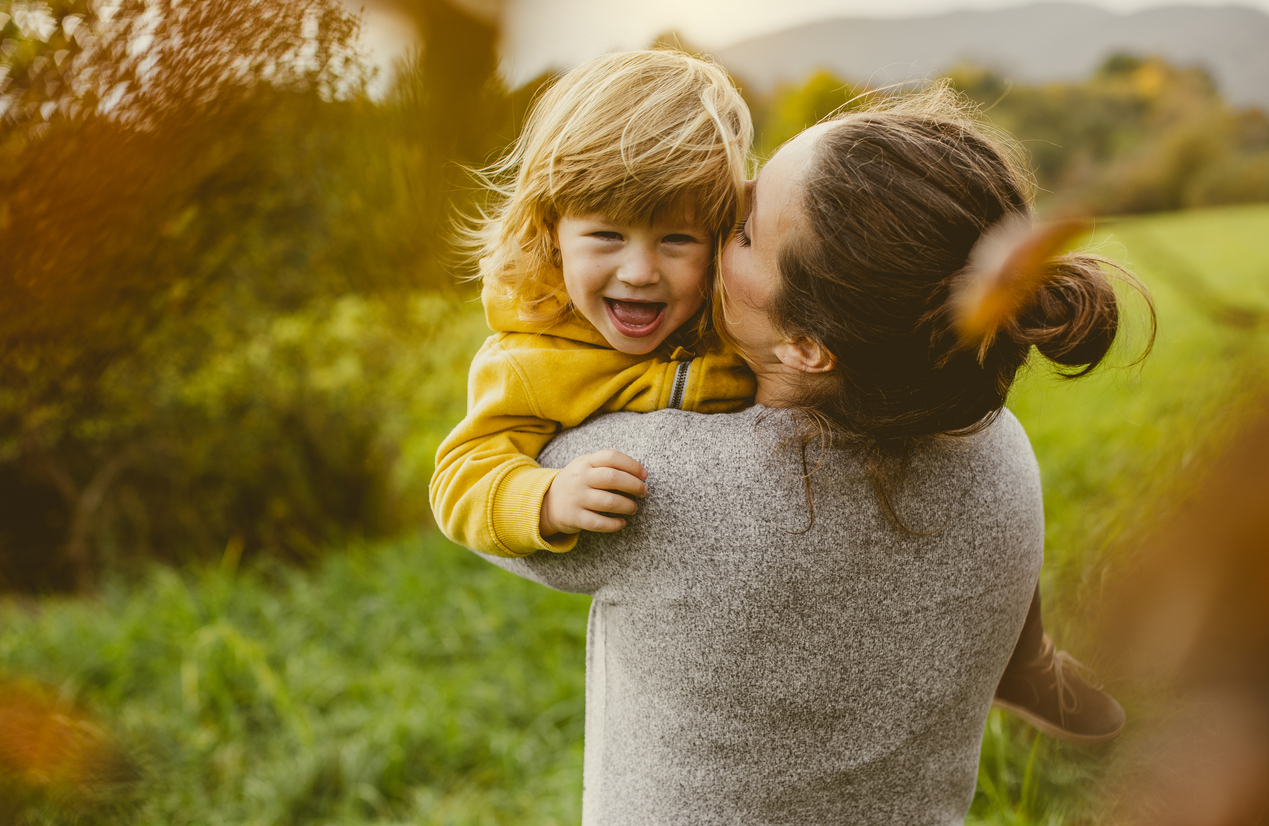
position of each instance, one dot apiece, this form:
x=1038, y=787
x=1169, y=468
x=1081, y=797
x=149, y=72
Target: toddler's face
x=637, y=283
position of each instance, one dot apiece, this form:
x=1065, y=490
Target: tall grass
x=412, y=683
x=408, y=683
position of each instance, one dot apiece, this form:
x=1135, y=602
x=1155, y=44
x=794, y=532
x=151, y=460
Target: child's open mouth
x=635, y=319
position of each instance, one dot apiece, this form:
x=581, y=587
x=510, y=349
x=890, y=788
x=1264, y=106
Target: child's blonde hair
x=631, y=135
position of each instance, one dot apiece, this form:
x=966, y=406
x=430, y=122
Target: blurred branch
x=78, y=550
x=36, y=449
x=141, y=61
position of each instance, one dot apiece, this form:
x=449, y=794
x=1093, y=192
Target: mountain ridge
x=1048, y=41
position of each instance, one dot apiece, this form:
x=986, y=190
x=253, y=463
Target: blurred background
x=233, y=331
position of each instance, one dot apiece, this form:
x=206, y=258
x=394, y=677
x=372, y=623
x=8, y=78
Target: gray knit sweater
x=747, y=666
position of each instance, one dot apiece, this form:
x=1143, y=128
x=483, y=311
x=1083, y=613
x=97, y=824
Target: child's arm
x=490, y=495
x=486, y=480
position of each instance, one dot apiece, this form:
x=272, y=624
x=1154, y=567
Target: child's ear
x=805, y=354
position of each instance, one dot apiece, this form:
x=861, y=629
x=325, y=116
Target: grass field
x=413, y=683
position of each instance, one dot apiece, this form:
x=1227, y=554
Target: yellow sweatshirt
x=527, y=383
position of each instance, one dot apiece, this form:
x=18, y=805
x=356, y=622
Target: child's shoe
x=1053, y=693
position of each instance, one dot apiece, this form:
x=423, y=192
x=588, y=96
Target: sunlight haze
x=545, y=34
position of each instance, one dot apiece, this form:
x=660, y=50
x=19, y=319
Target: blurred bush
x=214, y=254
x=280, y=435
x=793, y=109
x=1138, y=136
x=57, y=764
x=1190, y=617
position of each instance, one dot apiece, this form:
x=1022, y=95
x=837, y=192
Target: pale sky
x=542, y=34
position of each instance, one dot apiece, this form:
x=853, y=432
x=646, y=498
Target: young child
x=596, y=263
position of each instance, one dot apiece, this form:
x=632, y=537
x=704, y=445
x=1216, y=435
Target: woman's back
x=743, y=668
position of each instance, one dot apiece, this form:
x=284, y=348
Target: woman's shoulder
x=999, y=453
x=757, y=441
x=698, y=437
x=1004, y=444
x=992, y=472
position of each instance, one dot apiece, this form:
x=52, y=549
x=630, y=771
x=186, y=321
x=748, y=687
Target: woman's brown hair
x=896, y=198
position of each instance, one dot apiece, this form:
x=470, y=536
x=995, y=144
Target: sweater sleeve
x=487, y=490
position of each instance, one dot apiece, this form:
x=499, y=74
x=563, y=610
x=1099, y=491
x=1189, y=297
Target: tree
x=188, y=183
x=794, y=109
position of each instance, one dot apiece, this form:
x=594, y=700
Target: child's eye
x=679, y=238
x=741, y=236
x=607, y=235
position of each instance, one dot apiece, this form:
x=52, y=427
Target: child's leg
x=1030, y=645
x=1054, y=692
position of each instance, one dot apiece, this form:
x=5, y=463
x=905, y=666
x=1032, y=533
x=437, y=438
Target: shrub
x=193, y=252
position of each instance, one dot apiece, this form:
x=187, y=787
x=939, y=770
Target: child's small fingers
x=606, y=478
x=619, y=461
x=599, y=523
x=607, y=502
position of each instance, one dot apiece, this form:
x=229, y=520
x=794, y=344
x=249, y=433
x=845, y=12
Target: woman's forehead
x=800, y=148
x=775, y=192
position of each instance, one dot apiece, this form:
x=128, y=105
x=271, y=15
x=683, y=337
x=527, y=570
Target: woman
x=807, y=619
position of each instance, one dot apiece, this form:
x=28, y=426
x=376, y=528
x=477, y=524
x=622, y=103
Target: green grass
x=1117, y=443
x=1117, y=451
x=408, y=683
x=412, y=683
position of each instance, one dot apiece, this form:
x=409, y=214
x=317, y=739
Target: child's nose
x=639, y=269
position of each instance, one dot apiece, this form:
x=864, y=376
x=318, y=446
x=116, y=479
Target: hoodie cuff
x=516, y=513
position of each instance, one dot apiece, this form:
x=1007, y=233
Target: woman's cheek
x=743, y=286
x=728, y=265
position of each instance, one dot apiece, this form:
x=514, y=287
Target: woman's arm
x=583, y=571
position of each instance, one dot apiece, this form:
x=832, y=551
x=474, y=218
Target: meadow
x=409, y=682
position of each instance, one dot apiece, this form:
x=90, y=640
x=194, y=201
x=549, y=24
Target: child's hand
x=583, y=494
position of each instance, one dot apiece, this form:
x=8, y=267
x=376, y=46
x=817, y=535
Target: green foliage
x=795, y=108
x=1140, y=135
x=218, y=202
x=280, y=433
x=1022, y=782
x=413, y=684
x=336, y=413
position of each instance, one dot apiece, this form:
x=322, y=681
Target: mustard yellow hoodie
x=528, y=382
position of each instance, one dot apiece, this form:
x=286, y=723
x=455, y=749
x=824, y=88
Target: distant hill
x=1045, y=41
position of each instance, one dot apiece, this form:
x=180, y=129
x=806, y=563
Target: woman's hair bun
x=1017, y=285
x=1073, y=317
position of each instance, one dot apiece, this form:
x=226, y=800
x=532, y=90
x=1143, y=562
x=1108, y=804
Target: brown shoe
x=1061, y=697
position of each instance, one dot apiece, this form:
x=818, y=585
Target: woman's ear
x=804, y=354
